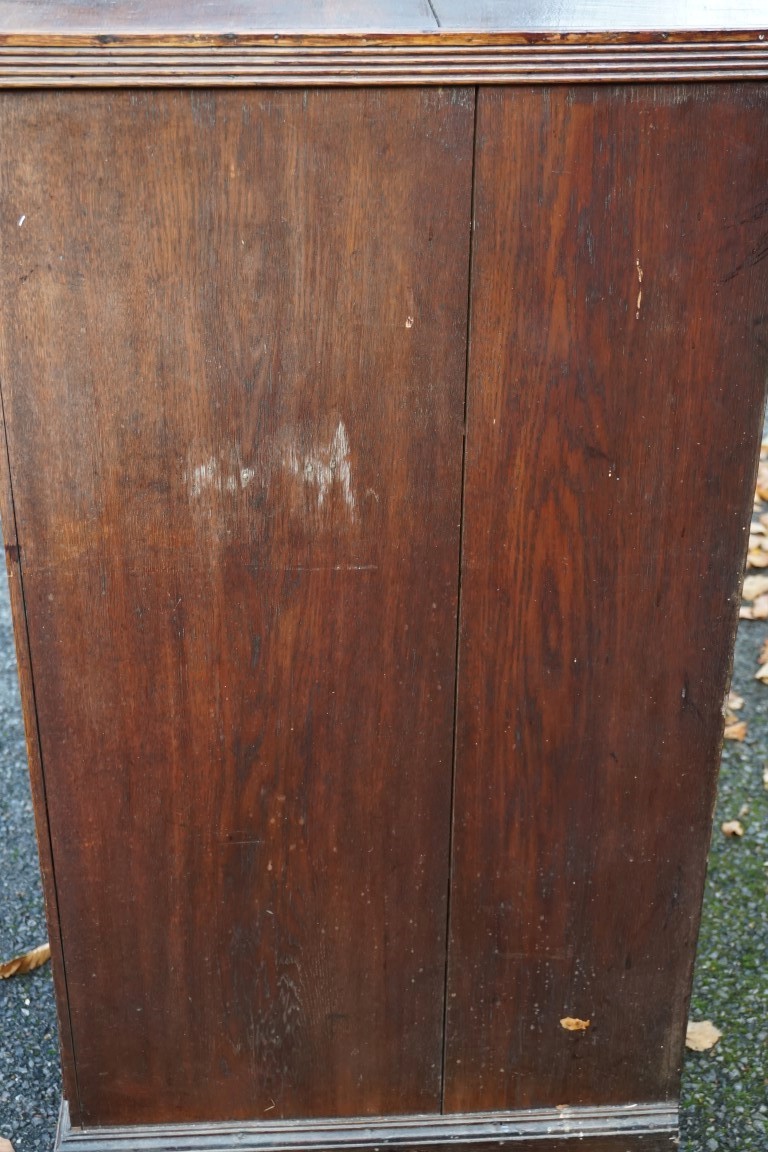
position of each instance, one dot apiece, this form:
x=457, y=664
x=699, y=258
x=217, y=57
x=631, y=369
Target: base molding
x=614, y=1128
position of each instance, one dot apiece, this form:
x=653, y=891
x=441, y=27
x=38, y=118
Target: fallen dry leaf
x=762, y=673
x=5, y=1145
x=745, y=612
x=757, y=558
x=763, y=657
x=734, y=703
x=765, y=778
x=701, y=1035
x=736, y=731
x=573, y=1024
x=761, y=487
x=760, y=608
x=754, y=586
x=26, y=963
x=744, y=810
x=732, y=828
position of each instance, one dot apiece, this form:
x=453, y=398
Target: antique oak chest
x=381, y=387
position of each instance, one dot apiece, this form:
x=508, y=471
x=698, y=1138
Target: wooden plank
x=232, y=353
x=617, y=370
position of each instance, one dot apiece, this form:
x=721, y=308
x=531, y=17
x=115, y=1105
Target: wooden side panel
x=617, y=369
x=232, y=353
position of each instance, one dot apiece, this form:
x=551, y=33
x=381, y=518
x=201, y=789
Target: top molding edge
x=116, y=43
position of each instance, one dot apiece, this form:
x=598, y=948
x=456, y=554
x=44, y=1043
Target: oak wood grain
x=616, y=383
x=232, y=353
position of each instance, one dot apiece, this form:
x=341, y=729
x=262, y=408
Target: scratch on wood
x=758, y=253
x=639, y=289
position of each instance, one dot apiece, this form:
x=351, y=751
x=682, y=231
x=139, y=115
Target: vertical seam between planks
x=433, y=10
x=55, y=892
x=470, y=260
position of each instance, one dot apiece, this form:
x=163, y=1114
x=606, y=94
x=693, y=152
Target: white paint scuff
x=205, y=476
x=325, y=466
x=321, y=467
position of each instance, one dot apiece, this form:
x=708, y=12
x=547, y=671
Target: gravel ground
x=30, y=1084
x=725, y=1093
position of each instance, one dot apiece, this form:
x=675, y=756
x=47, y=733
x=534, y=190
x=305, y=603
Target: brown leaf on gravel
x=754, y=586
x=701, y=1035
x=5, y=1145
x=734, y=703
x=573, y=1024
x=762, y=673
x=19, y=965
x=757, y=558
x=732, y=828
x=736, y=730
x=745, y=612
x=761, y=487
x=760, y=608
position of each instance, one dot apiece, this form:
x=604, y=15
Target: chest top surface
x=441, y=21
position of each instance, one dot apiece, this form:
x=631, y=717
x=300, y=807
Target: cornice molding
x=647, y=1126
x=284, y=61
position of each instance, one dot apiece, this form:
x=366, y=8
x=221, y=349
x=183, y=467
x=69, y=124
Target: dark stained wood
x=617, y=370
x=639, y=1128
x=232, y=356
